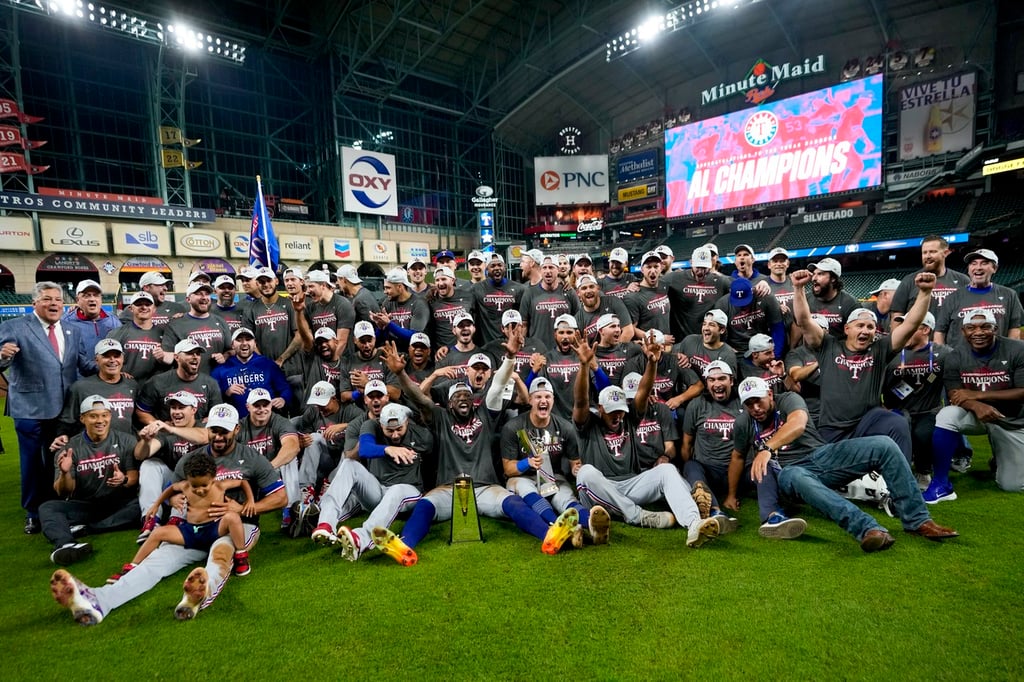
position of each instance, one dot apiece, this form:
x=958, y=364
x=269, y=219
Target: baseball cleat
x=147, y=528
x=702, y=532
x=560, y=531
x=197, y=589
x=392, y=545
x=600, y=525
x=652, y=519
x=241, y=563
x=117, y=576
x=323, y=535
x=702, y=496
x=75, y=597
x=349, y=543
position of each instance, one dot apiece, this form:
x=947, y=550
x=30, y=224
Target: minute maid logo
x=148, y=239
x=762, y=80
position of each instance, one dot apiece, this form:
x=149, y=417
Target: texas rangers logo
x=468, y=432
x=856, y=364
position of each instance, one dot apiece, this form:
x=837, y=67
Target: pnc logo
x=363, y=184
x=550, y=180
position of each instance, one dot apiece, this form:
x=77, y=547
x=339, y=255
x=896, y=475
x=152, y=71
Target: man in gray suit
x=42, y=358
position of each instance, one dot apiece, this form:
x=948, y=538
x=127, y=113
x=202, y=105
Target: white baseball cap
x=613, y=399
x=582, y=257
x=719, y=366
x=987, y=254
x=535, y=255
x=321, y=393
x=375, y=386
x=778, y=251
x=416, y=260
x=242, y=331
x=456, y=387
x=859, y=313
x=585, y=279
x=104, y=346
x=248, y=272
x=444, y=271
x=631, y=384
x=349, y=272
x=142, y=296
x=256, y=395
x=712, y=247
x=753, y=387
x=94, y=402
x=198, y=286
x=718, y=316
x=929, y=320
x=460, y=317
x=566, y=318
x=187, y=346
x=265, y=272
x=619, y=255
x=821, y=321
x=664, y=251
x=888, y=285
x=394, y=416
x=475, y=255
x=828, y=265
x=363, y=329
x=222, y=280
x=479, y=359
x=398, y=276
x=325, y=333
x=318, y=276
x=197, y=275
x=511, y=316
x=541, y=384
x=606, y=320
x=295, y=271
x=650, y=255
x=758, y=343
x=972, y=314
x=152, y=277
x=657, y=335
x=223, y=415
x=497, y=256
x=420, y=338
x=700, y=258
x=87, y=284
x=182, y=398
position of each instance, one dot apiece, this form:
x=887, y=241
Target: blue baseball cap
x=444, y=254
x=741, y=292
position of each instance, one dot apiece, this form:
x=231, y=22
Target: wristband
x=356, y=395
x=523, y=465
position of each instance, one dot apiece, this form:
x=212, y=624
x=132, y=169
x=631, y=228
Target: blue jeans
x=836, y=464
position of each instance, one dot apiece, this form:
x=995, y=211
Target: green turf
x=644, y=607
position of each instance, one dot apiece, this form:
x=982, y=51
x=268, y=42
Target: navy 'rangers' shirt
x=746, y=430
x=998, y=370
x=711, y=425
x=852, y=381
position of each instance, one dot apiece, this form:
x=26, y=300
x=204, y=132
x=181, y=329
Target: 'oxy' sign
x=370, y=184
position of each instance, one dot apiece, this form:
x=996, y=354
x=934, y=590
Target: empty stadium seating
x=828, y=233
x=994, y=210
x=756, y=239
x=939, y=216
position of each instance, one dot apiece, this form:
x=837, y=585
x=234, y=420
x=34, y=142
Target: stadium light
x=681, y=17
x=140, y=27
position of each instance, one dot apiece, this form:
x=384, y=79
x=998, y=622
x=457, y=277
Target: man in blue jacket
x=247, y=370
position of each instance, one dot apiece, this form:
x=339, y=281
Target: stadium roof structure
x=526, y=68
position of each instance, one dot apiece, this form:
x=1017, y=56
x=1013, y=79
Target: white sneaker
x=651, y=519
x=702, y=532
x=76, y=597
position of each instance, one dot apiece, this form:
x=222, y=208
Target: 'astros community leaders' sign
x=23, y=201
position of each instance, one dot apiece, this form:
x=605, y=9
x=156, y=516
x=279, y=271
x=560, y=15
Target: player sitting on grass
x=201, y=489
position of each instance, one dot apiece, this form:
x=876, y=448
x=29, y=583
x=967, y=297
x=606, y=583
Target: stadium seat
x=940, y=216
x=828, y=233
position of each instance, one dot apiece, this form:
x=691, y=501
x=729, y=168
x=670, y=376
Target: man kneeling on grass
x=792, y=458
x=90, y=605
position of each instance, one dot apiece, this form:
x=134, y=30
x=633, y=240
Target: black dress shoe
x=32, y=526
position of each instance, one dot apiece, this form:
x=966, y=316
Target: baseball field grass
x=643, y=607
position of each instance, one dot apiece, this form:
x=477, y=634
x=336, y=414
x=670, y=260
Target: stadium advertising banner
x=637, y=166
x=937, y=117
x=563, y=180
x=369, y=182
x=17, y=234
x=825, y=141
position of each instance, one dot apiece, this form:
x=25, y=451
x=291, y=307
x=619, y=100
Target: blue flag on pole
x=263, y=248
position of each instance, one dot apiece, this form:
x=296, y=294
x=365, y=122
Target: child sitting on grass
x=199, y=530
